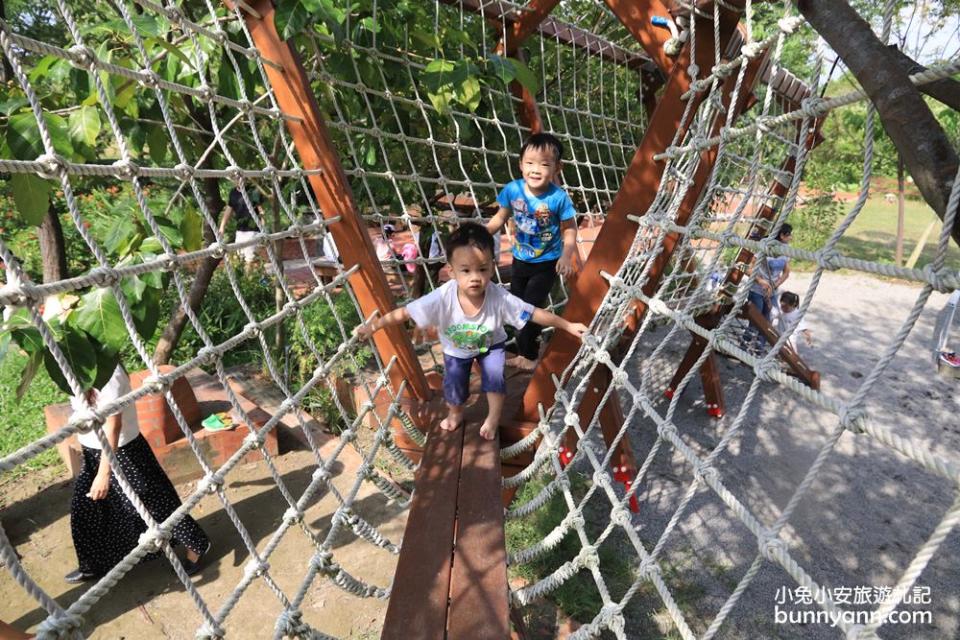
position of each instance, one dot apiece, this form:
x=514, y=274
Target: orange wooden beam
x=636, y=194
x=311, y=138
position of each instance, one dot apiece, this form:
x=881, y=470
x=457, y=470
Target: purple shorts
x=456, y=377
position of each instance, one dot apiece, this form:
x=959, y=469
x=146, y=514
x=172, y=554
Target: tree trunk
x=898, y=260
x=926, y=151
x=198, y=290
x=53, y=248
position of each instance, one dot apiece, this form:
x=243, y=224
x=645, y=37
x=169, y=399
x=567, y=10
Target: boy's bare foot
x=488, y=429
x=452, y=421
x=522, y=363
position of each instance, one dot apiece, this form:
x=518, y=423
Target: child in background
x=787, y=316
x=469, y=312
x=545, y=238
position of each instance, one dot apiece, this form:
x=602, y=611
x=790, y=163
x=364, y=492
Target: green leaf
x=524, y=76
x=291, y=16
x=191, y=229
x=151, y=244
x=468, y=93
x=23, y=332
x=31, y=194
x=124, y=235
x=172, y=50
x=85, y=125
x=80, y=354
x=29, y=371
x=157, y=141
x=23, y=136
x=169, y=230
x=13, y=104
x=42, y=67
x=146, y=313
x=502, y=68
x=107, y=361
x=99, y=315
x=133, y=288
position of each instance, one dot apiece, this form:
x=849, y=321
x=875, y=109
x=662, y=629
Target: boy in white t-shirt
x=788, y=316
x=469, y=313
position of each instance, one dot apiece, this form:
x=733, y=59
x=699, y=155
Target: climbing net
x=751, y=155
x=172, y=112
x=426, y=140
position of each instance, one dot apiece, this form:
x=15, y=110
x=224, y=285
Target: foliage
x=815, y=220
x=23, y=422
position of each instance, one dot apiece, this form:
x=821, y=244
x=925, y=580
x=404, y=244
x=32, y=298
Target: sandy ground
x=150, y=602
x=870, y=508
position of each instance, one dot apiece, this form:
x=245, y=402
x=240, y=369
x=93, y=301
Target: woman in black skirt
x=104, y=523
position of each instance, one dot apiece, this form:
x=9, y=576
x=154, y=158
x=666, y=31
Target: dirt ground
x=150, y=602
x=870, y=508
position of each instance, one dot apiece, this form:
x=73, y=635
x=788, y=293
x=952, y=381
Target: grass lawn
x=873, y=235
x=22, y=422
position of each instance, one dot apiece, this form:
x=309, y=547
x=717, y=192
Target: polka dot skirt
x=104, y=531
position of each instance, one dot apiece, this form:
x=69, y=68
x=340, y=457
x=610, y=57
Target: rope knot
x=621, y=516
x=571, y=419
x=85, y=420
x=601, y=479
x=254, y=438
x=235, y=175
x=938, y=279
x=667, y=431
x=765, y=367
x=220, y=36
x=254, y=328
x=348, y=436
x=270, y=172
x=206, y=355
x=104, y=277
x=155, y=538
x=52, y=166
x=291, y=625
x=82, y=56
x=588, y=558
x=771, y=546
x=620, y=377
x=174, y=15
x=208, y=632
x=63, y=625
x=210, y=483
x=813, y=107
x=323, y=562
x=14, y=295
x=184, y=171
x=217, y=250
x=321, y=474
x=853, y=419
x=156, y=384
x=125, y=169
x=706, y=472
x=648, y=568
x=751, y=50
x=149, y=78
x=246, y=107
x=255, y=568
x=574, y=519
x=828, y=259
x=205, y=93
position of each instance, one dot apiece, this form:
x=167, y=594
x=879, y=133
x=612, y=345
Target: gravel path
x=868, y=511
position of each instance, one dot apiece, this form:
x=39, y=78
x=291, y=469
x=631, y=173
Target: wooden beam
x=334, y=196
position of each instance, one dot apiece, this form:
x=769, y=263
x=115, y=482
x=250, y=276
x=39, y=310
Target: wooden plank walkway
x=451, y=579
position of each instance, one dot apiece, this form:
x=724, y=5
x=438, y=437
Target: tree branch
x=946, y=90
x=925, y=148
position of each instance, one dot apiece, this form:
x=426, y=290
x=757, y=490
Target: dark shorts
x=456, y=377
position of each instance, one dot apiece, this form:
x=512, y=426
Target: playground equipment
x=685, y=146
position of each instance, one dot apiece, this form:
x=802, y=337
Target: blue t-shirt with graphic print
x=537, y=220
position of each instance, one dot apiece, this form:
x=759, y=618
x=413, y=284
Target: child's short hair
x=541, y=141
x=785, y=230
x=790, y=298
x=470, y=234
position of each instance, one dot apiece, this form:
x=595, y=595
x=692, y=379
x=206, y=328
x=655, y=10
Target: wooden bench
x=451, y=579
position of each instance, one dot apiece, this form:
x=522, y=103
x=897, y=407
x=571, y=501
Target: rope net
x=184, y=113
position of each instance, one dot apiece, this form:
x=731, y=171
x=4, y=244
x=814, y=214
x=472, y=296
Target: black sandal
x=192, y=567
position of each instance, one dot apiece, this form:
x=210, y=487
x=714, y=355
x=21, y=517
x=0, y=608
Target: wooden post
x=332, y=190
x=637, y=192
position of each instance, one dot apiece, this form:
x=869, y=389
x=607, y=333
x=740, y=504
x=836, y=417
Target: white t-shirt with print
x=784, y=321
x=118, y=385
x=465, y=336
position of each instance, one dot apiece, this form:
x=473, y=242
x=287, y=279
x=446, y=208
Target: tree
x=920, y=139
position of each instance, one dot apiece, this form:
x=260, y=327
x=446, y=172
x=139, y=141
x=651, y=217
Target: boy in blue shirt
x=545, y=238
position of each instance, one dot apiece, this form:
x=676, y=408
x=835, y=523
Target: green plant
x=815, y=220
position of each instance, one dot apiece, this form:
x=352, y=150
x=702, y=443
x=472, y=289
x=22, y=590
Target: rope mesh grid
x=240, y=140
x=244, y=143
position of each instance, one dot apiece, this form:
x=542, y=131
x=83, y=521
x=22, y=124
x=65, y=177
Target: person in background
x=103, y=522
